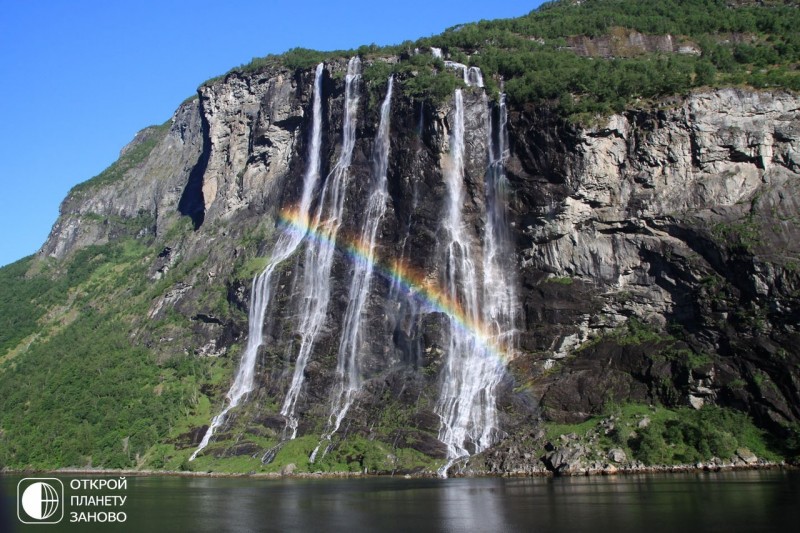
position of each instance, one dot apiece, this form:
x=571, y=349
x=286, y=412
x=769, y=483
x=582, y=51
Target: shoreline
x=618, y=471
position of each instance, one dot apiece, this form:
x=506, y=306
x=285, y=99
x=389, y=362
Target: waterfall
x=473, y=77
x=462, y=406
x=468, y=405
x=499, y=285
x=260, y=293
x=319, y=256
x=347, y=372
x=477, y=278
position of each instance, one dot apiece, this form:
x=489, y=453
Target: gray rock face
x=628, y=43
x=713, y=152
x=683, y=217
x=617, y=455
x=566, y=460
x=678, y=216
x=746, y=456
x=253, y=123
x=148, y=190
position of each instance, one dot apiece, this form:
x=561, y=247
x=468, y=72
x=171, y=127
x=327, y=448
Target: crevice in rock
x=207, y=319
x=192, y=202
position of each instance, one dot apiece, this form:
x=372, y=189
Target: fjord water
x=724, y=502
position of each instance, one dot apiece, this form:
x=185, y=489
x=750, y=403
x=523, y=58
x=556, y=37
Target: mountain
x=566, y=242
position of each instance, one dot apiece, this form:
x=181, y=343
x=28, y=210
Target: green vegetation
x=634, y=332
x=25, y=296
x=752, y=44
x=23, y=301
x=565, y=280
x=76, y=390
x=742, y=235
x=692, y=435
x=354, y=454
x=666, y=347
x=755, y=45
x=99, y=403
x=656, y=435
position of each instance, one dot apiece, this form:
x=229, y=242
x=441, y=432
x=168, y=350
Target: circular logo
x=40, y=500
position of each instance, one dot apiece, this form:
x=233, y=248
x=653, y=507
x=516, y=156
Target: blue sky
x=79, y=78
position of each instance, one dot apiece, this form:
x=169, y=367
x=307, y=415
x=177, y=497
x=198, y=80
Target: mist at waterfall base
x=750, y=501
x=476, y=289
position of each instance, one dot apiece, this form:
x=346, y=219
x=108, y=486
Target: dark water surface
x=732, y=501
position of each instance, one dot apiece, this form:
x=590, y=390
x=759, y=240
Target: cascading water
x=461, y=406
x=499, y=283
x=319, y=255
x=478, y=279
x=347, y=372
x=473, y=77
x=468, y=404
x=260, y=294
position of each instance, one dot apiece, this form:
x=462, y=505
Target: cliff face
x=679, y=219
x=154, y=180
x=681, y=216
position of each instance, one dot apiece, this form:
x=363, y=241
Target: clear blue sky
x=79, y=78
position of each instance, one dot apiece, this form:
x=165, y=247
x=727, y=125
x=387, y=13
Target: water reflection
x=743, y=501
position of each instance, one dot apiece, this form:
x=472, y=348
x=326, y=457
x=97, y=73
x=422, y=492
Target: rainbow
x=411, y=281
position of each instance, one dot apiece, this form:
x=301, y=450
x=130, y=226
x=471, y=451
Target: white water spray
x=499, y=281
x=468, y=403
x=260, y=293
x=462, y=406
x=319, y=256
x=473, y=77
x=348, y=376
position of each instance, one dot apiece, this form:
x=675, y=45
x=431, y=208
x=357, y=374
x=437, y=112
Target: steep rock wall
x=682, y=216
x=149, y=189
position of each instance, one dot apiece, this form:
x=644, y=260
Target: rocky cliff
x=655, y=256
x=681, y=216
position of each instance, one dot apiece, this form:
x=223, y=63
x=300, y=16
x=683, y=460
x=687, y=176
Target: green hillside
x=732, y=43
x=82, y=379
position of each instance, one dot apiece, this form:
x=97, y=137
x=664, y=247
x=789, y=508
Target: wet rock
x=420, y=441
x=426, y=421
x=191, y=438
x=242, y=448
